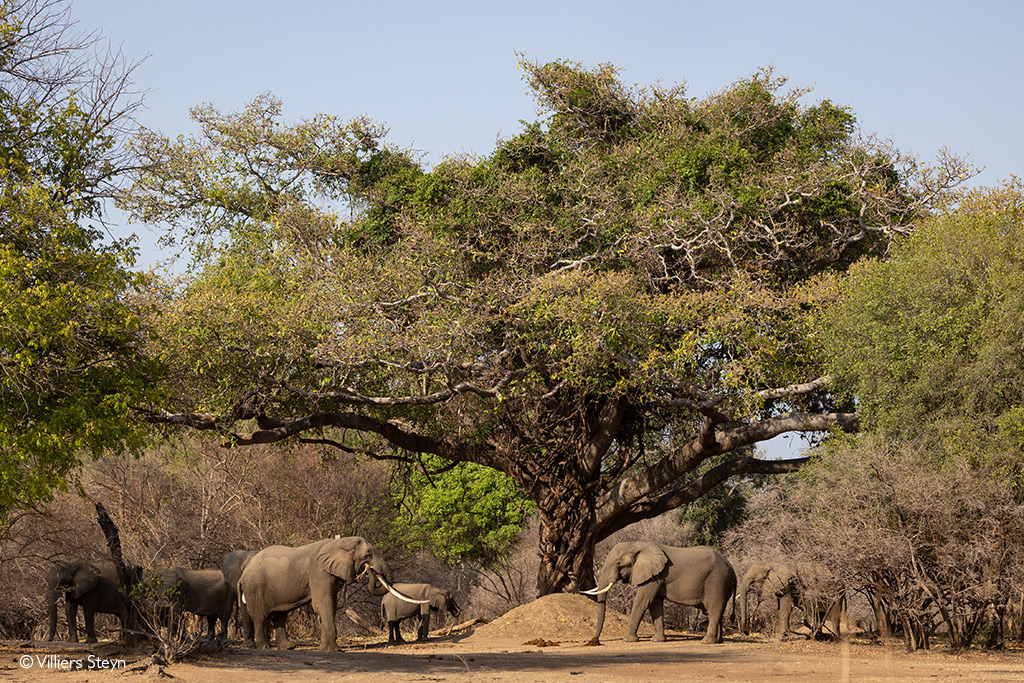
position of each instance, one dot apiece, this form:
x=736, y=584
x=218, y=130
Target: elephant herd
x=266, y=585
x=701, y=577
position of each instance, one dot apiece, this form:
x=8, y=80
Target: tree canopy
x=925, y=507
x=930, y=340
x=621, y=292
x=71, y=349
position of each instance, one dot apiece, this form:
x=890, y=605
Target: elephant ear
x=649, y=562
x=337, y=560
x=439, y=601
x=85, y=579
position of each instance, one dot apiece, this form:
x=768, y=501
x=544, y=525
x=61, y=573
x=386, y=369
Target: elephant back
x=233, y=564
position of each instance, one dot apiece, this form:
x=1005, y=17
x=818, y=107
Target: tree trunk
x=127, y=575
x=567, y=532
x=566, y=549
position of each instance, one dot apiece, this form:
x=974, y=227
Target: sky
x=443, y=75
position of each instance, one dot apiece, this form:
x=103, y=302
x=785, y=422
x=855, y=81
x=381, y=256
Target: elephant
x=93, y=587
x=279, y=579
x=698, y=576
x=810, y=587
x=203, y=592
x=394, y=610
x=232, y=566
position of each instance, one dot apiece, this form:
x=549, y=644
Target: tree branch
x=630, y=490
x=697, y=488
x=273, y=430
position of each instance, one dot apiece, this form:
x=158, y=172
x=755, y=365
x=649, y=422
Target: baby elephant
x=393, y=610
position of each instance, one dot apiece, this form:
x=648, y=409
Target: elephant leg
x=281, y=639
x=395, y=632
x=259, y=623
x=657, y=608
x=785, y=610
x=716, y=617
x=71, y=615
x=424, y=631
x=835, y=614
x=90, y=624
x=325, y=606
x=641, y=602
x=247, y=627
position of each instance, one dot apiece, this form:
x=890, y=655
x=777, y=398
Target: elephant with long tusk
x=697, y=576
x=279, y=579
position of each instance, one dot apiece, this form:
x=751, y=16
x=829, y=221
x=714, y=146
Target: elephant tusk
x=394, y=592
x=599, y=591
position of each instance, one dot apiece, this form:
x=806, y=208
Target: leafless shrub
x=187, y=502
x=933, y=538
x=510, y=582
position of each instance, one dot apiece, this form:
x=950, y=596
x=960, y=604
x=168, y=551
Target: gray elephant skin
x=808, y=586
x=203, y=592
x=93, y=587
x=232, y=565
x=394, y=610
x=697, y=576
x=280, y=579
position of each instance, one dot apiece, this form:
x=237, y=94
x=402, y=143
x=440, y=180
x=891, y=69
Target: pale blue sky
x=442, y=75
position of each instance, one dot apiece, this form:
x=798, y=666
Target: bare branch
x=795, y=389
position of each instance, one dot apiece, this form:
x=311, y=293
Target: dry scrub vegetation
x=188, y=502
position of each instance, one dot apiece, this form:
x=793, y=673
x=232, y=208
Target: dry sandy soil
x=543, y=641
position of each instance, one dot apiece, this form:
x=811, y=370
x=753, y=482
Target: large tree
x=71, y=362
x=612, y=308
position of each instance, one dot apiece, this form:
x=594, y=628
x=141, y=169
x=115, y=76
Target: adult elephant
x=279, y=579
x=808, y=586
x=697, y=576
x=92, y=587
x=394, y=610
x=203, y=592
x=231, y=566
x=233, y=563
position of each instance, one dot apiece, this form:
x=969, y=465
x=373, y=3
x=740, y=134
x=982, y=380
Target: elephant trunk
x=605, y=581
x=602, y=605
x=52, y=595
x=378, y=570
x=376, y=586
x=753, y=579
x=743, y=612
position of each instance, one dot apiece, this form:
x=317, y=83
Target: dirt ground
x=543, y=641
